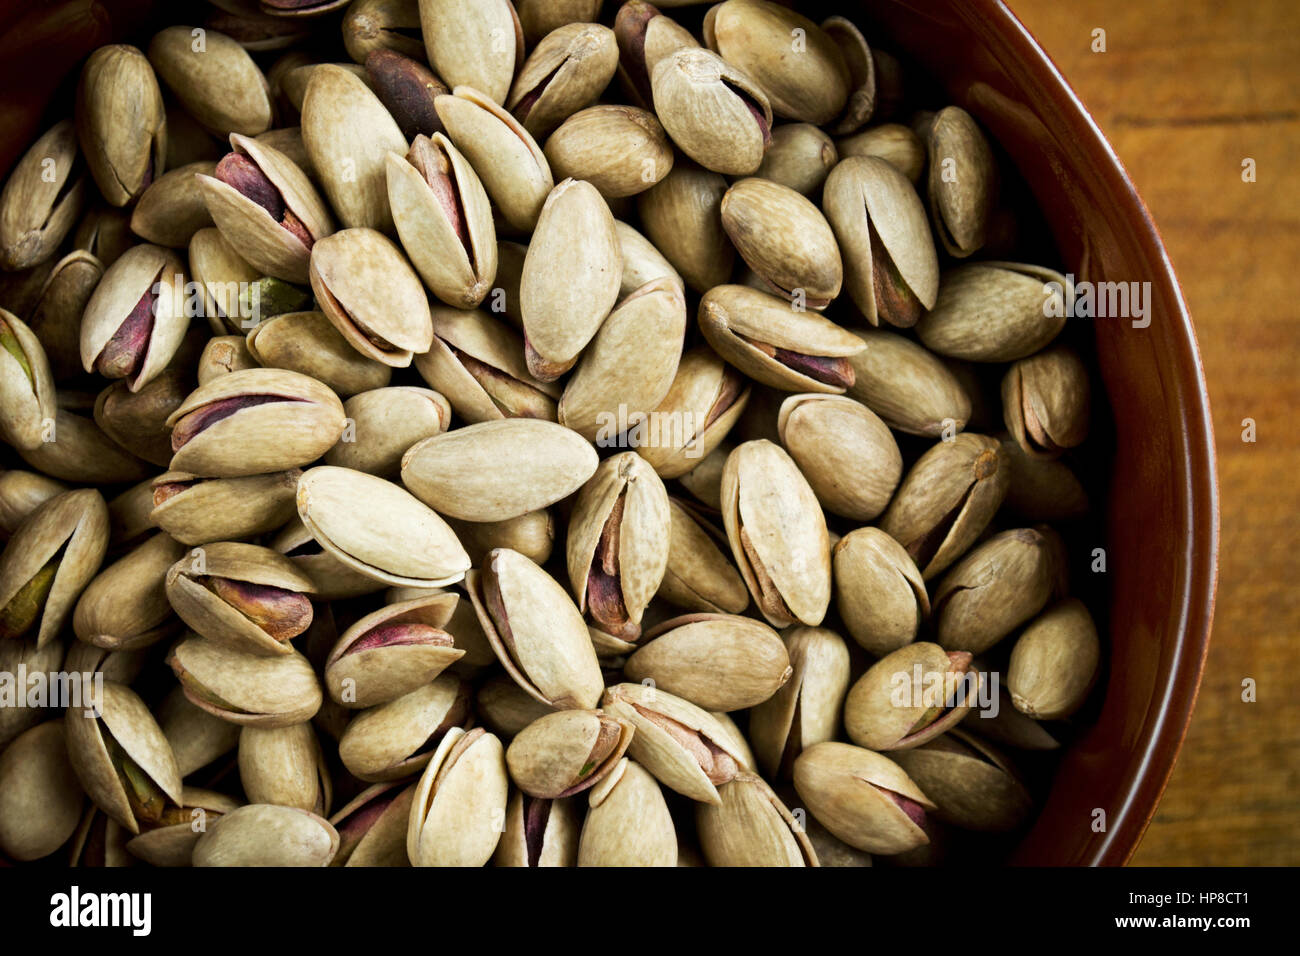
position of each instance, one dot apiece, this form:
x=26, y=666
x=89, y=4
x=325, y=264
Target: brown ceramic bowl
x=1162, y=505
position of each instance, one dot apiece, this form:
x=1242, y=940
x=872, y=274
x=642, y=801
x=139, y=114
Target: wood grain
x=1186, y=90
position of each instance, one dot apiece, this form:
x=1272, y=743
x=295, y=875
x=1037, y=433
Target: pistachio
x=996, y=311
x=540, y=17
x=244, y=689
x=40, y=798
x=1054, y=662
x=284, y=766
x=105, y=233
x=82, y=454
x=642, y=262
x=715, y=112
x=621, y=150
x=221, y=274
x=387, y=421
x=971, y=784
x=263, y=834
x=506, y=707
x=909, y=696
x=800, y=158
x=894, y=143
x=216, y=81
x=125, y=606
x=397, y=738
x=707, y=396
x=224, y=354
x=751, y=827
x=121, y=123
x=331, y=578
x=41, y=199
x=628, y=823
x=907, y=386
x=539, y=832
x=27, y=397
x=408, y=89
x=474, y=43
x=171, y=844
x=879, y=591
x=310, y=344
x=531, y=534
x=645, y=36
x=861, y=65
x=372, y=828
x=564, y=753
x=21, y=493
x=197, y=737
x=55, y=318
x=962, y=181
x=1045, y=401
x=682, y=215
x=699, y=576
x=566, y=71
x=370, y=25
x=460, y=802
x=1042, y=489
x=201, y=510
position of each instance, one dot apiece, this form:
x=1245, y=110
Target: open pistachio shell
x=707, y=397
x=539, y=832
x=505, y=707
x=125, y=606
x=197, y=510
x=332, y=579
x=879, y=591
x=244, y=689
x=105, y=233
x=699, y=575
x=751, y=827
x=21, y=493
x=136, y=420
x=382, y=25
x=861, y=64
x=41, y=199
x=372, y=828
x=1054, y=663
x=285, y=766
x=566, y=71
x=263, y=834
x=28, y=409
x=682, y=216
x=474, y=43
x=121, y=123
x=56, y=316
x=40, y=797
x=715, y=112
x=971, y=783
x=220, y=273
x=172, y=844
x=216, y=80
x=628, y=823
x=460, y=802
x=566, y=752
x=1045, y=402
x=909, y=696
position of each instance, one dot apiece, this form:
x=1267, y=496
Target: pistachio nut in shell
x=253, y=422
x=777, y=533
x=996, y=311
x=785, y=239
x=751, y=827
x=531, y=534
x=505, y=707
x=391, y=651
x=1054, y=662
x=121, y=122
x=715, y=113
x=540, y=17
x=571, y=277
x=198, y=510
x=382, y=25
x=621, y=150
x=910, y=696
x=349, y=134
x=642, y=262
x=474, y=43
x=536, y=630
x=970, y=782
x=217, y=81
x=125, y=606
x=263, y=834
x=47, y=563
x=460, y=802
x=308, y=343
x=907, y=385
x=378, y=528
x=136, y=420
x=172, y=843
x=197, y=737
x=879, y=591
x=492, y=471
x=566, y=71
x=862, y=798
x=707, y=396
x=891, y=267
x=82, y=454
x=21, y=493
x=831, y=851
x=104, y=232
x=628, y=823
x=121, y=757
x=800, y=158
x=645, y=36
x=47, y=660
x=962, y=182
x=444, y=220
x=56, y=316
x=892, y=142
x=28, y=403
x=408, y=89
x=776, y=344
x=385, y=423
x=42, y=199
x=372, y=828
x=1010, y=728
x=243, y=689
x=347, y=269
x=566, y=752
x=686, y=748
x=682, y=216
x=539, y=832
x=284, y=766
x=947, y=499
x=1045, y=402
x=332, y=578
x=861, y=65
x=40, y=796
x=1042, y=489
x=220, y=273
x=846, y=452
x=806, y=709
x=699, y=575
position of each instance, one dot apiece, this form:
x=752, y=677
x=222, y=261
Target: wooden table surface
x=1187, y=90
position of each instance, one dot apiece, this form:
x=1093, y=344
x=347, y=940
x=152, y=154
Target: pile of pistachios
x=371, y=498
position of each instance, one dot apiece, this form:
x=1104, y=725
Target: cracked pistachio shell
x=707, y=396
x=172, y=845
x=962, y=181
x=506, y=707
x=642, y=262
x=531, y=534
x=1054, y=662
x=347, y=269
x=372, y=25
x=348, y=135
x=40, y=796
x=777, y=533
x=629, y=366
x=28, y=403
x=628, y=823
x=460, y=802
x=1042, y=489
x=201, y=510
x=197, y=737
x=621, y=150
x=972, y=784
x=444, y=220
x=332, y=579
x=715, y=112
x=222, y=355
x=378, y=528
x=907, y=385
x=99, y=842
x=125, y=717
x=785, y=239
x=510, y=164
x=493, y=471
x=21, y=493
x=751, y=827
x=125, y=606
x=263, y=834
x=478, y=362
x=800, y=157
x=882, y=710
x=216, y=81
x=891, y=267
x=645, y=36
x=571, y=278
x=879, y=591
x=285, y=766
x=104, y=232
x=171, y=210
x=121, y=666
x=1045, y=402
x=996, y=311
x=617, y=545
x=382, y=656
x=309, y=343
x=682, y=216
x=474, y=43
x=274, y=420
x=776, y=344
x=687, y=748
x=265, y=242
x=245, y=689
x=846, y=452
x=121, y=122
x=861, y=66
x=806, y=709
x=41, y=199
x=114, y=341
x=56, y=316
x=999, y=585
x=564, y=753
x=895, y=143
x=862, y=798
x=699, y=575
x=220, y=272
x=270, y=604
x=747, y=662
x=51, y=558
x=566, y=71
x=385, y=423
x=79, y=452
x=536, y=630
x=539, y=832
x=288, y=141
x=947, y=499
x=136, y=420
x=372, y=828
